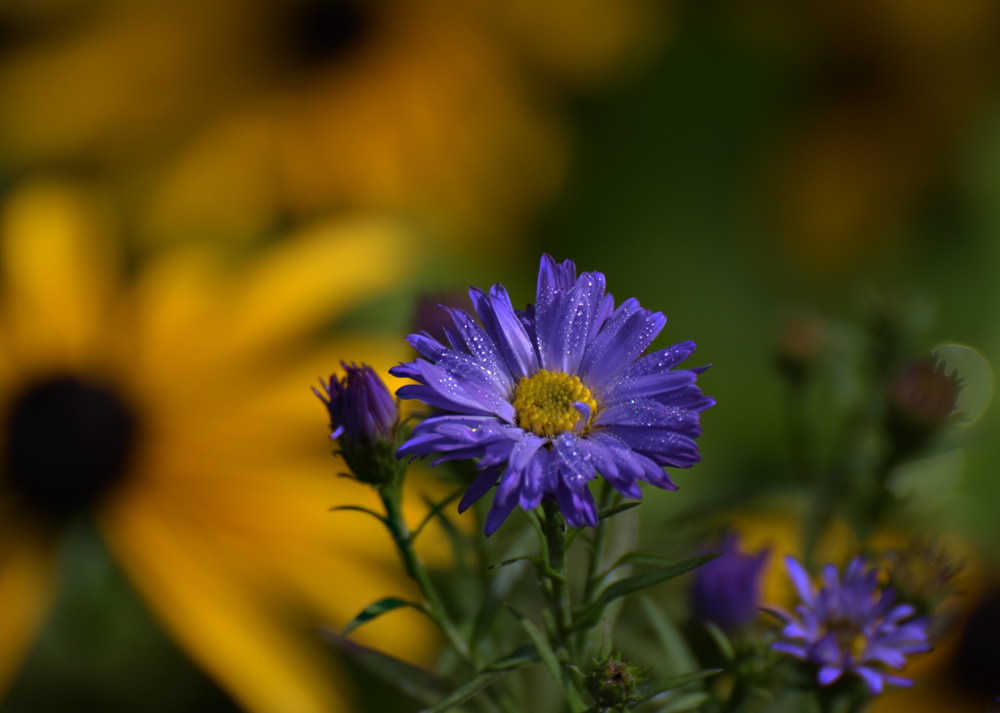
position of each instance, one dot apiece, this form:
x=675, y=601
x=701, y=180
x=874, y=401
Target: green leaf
x=464, y=692
x=660, y=685
x=685, y=703
x=377, y=609
x=605, y=642
x=530, y=558
x=609, y=512
x=521, y=657
x=500, y=585
x=602, y=514
x=641, y=558
x=358, y=508
x=435, y=511
x=551, y=662
x=679, y=654
x=591, y=614
x=411, y=680
x=721, y=640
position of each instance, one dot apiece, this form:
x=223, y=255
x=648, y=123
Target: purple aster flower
x=360, y=405
x=547, y=397
x=850, y=626
x=727, y=589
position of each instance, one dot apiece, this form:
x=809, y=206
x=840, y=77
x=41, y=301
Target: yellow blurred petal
x=58, y=275
x=25, y=591
x=229, y=628
x=584, y=42
x=191, y=314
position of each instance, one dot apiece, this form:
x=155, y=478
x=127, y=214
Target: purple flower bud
x=361, y=408
x=726, y=591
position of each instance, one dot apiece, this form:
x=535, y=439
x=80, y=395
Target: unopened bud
x=923, y=574
x=364, y=417
x=614, y=683
x=800, y=341
x=921, y=399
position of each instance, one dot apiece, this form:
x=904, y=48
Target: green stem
x=596, y=564
x=554, y=528
x=392, y=499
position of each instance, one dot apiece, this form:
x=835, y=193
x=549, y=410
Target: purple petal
x=899, y=681
x=666, y=447
x=497, y=515
x=578, y=508
x=890, y=657
x=829, y=674
x=524, y=450
x=800, y=579
x=636, y=334
x=563, y=351
x=790, y=649
x=503, y=326
x=872, y=679
x=479, y=487
x=648, y=385
x=658, y=362
x=607, y=335
x=481, y=347
x=533, y=481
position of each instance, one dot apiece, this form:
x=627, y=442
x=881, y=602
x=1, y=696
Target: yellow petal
x=191, y=314
x=58, y=275
x=232, y=630
x=25, y=589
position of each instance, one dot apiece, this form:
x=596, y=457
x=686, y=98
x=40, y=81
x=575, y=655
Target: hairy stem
x=554, y=528
x=392, y=499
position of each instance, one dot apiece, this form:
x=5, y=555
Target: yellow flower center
x=544, y=402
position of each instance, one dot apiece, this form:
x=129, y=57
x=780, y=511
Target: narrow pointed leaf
x=721, y=640
x=512, y=560
x=605, y=642
x=655, y=688
x=466, y=691
x=679, y=654
x=591, y=614
x=605, y=513
x=377, y=609
x=642, y=558
x=685, y=703
x=416, y=682
x=435, y=511
x=521, y=657
x=358, y=508
x=551, y=662
x=501, y=583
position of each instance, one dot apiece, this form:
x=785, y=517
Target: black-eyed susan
x=888, y=92
x=174, y=408
x=228, y=117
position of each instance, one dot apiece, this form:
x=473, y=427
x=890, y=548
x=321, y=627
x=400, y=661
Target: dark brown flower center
x=68, y=442
x=325, y=31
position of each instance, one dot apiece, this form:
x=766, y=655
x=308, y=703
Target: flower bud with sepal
x=614, y=683
x=365, y=421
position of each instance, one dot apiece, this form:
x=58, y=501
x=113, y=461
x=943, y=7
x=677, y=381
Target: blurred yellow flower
x=174, y=407
x=228, y=117
x=890, y=89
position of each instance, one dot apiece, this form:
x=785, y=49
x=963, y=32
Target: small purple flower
x=360, y=405
x=726, y=591
x=851, y=626
x=547, y=397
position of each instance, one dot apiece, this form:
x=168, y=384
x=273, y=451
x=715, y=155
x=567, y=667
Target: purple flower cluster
x=360, y=406
x=726, y=590
x=547, y=397
x=850, y=626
